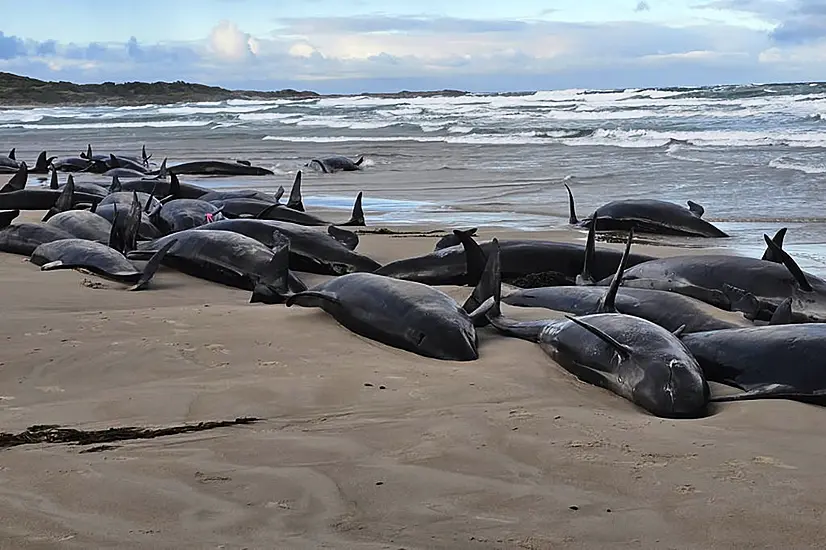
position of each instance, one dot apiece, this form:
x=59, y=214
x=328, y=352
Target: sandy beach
x=360, y=445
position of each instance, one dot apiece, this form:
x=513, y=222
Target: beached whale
x=180, y=214
x=40, y=199
x=82, y=224
x=218, y=168
x=721, y=280
x=311, y=250
x=142, y=162
x=648, y=216
x=9, y=163
x=336, y=164
x=263, y=210
x=524, y=263
x=42, y=164
x=402, y=314
x=97, y=258
x=79, y=187
x=630, y=356
x=229, y=258
x=779, y=362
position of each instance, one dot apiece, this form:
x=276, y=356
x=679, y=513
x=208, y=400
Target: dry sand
x=361, y=445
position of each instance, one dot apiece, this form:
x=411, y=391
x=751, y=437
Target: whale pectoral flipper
x=152, y=266
x=586, y=278
x=775, y=391
x=312, y=298
x=790, y=264
x=279, y=193
x=489, y=283
x=347, y=238
x=275, y=284
x=607, y=304
x=475, y=259
x=359, y=161
x=783, y=314
x=696, y=209
x=743, y=301
x=57, y=264
x=623, y=350
x=770, y=256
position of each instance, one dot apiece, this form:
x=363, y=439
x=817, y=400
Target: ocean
x=754, y=156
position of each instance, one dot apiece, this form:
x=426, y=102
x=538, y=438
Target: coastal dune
x=359, y=445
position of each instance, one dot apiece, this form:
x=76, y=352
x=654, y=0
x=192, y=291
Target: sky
x=352, y=46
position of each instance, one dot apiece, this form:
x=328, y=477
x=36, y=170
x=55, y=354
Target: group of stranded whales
x=654, y=331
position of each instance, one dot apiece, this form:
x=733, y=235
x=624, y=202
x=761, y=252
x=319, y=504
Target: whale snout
x=678, y=390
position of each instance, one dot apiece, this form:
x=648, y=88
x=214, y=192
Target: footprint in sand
x=772, y=462
x=218, y=348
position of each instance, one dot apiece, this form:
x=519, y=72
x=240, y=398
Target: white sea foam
x=103, y=125
x=786, y=163
x=637, y=138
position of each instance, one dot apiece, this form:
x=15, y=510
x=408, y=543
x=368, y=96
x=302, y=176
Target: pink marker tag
x=209, y=217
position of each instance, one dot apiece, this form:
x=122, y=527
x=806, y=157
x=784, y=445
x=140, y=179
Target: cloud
x=385, y=53
x=794, y=21
x=228, y=42
x=10, y=46
x=642, y=5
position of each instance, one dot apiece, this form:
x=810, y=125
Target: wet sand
x=360, y=445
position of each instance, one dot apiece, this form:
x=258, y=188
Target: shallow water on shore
x=755, y=159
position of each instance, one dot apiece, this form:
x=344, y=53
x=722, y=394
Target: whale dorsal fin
x=623, y=350
x=7, y=216
x=571, y=207
x=607, y=303
x=18, y=180
x=783, y=314
x=357, y=217
x=53, y=183
x=295, y=201
x=359, y=161
x=586, y=278
x=174, y=186
x=113, y=161
x=696, y=209
x=162, y=171
x=115, y=186
x=790, y=264
x=41, y=163
x=132, y=225
x=768, y=255
x=12, y=153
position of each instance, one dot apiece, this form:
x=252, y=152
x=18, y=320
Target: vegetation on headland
x=18, y=90
x=22, y=90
